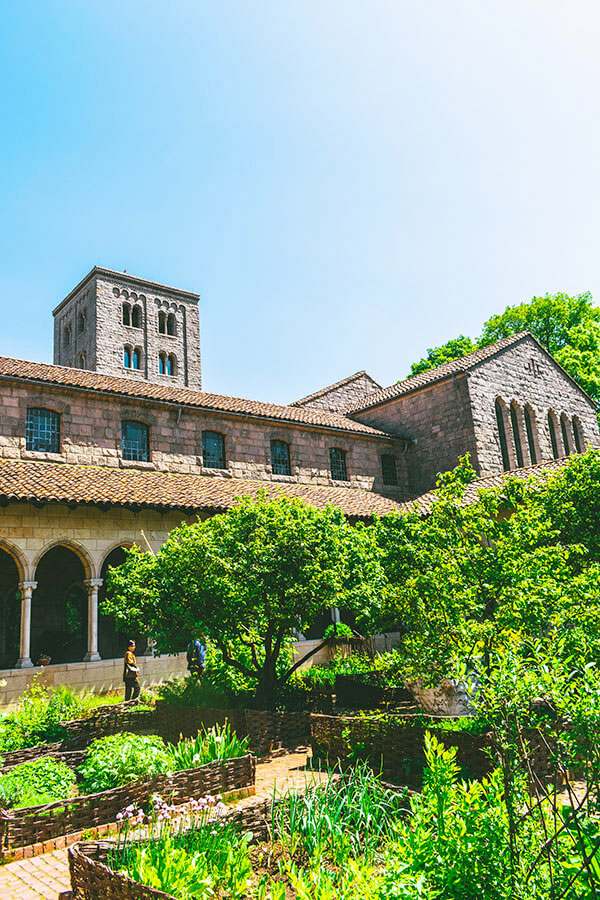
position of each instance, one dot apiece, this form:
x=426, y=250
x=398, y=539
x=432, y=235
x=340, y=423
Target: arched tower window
x=127, y=356
x=171, y=324
x=502, y=436
x=136, y=317
x=514, y=421
x=82, y=360
x=162, y=364
x=67, y=335
x=81, y=322
x=529, y=428
x=162, y=322
x=553, y=438
x=564, y=428
x=126, y=312
x=171, y=364
x=578, y=434
x=136, y=358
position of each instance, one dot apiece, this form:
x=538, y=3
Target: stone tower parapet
x=116, y=324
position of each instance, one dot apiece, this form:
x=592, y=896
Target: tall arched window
x=81, y=322
x=126, y=314
x=162, y=322
x=280, y=458
x=529, y=426
x=171, y=364
x=162, y=364
x=127, y=356
x=136, y=358
x=514, y=421
x=171, y=324
x=502, y=436
x=564, y=429
x=136, y=316
x=553, y=438
x=578, y=434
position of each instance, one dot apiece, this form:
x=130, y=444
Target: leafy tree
x=437, y=356
x=246, y=579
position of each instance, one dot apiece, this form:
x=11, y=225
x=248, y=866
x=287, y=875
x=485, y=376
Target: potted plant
x=44, y=659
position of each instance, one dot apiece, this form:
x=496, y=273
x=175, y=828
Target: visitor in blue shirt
x=196, y=657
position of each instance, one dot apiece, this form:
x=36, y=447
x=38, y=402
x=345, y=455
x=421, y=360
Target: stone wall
x=527, y=377
x=342, y=396
x=91, y=434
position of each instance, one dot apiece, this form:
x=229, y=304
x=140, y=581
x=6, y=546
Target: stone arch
x=11, y=576
x=77, y=548
x=112, y=643
x=18, y=558
x=59, y=605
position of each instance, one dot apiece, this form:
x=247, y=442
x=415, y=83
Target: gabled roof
x=455, y=367
x=142, y=390
x=333, y=387
x=53, y=482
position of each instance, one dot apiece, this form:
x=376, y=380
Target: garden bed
x=368, y=690
x=36, y=824
x=266, y=730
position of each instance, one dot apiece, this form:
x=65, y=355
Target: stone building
x=116, y=444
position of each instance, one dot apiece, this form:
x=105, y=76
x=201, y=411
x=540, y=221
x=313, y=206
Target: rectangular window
x=388, y=469
x=337, y=460
x=134, y=441
x=280, y=458
x=43, y=430
x=213, y=450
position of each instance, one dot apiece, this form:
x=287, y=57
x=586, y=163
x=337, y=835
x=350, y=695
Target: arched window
x=81, y=322
x=564, y=429
x=162, y=364
x=82, y=361
x=514, y=421
x=280, y=458
x=162, y=322
x=136, y=317
x=171, y=364
x=126, y=314
x=552, y=430
x=502, y=436
x=171, y=324
x=127, y=356
x=42, y=431
x=67, y=335
x=388, y=469
x=578, y=434
x=134, y=440
x=136, y=358
x=337, y=462
x=529, y=426
x=213, y=450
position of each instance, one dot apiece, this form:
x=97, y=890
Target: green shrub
x=210, y=745
x=36, y=782
x=120, y=758
x=338, y=630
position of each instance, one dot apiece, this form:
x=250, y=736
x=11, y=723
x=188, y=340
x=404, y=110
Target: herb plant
x=120, y=758
x=36, y=782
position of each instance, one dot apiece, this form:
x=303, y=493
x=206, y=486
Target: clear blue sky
x=344, y=183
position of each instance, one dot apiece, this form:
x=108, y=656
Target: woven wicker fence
x=267, y=730
x=393, y=744
x=33, y=824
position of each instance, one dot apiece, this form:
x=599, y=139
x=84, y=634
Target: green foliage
x=209, y=745
x=338, y=630
x=245, y=580
x=437, y=356
x=36, y=782
x=120, y=758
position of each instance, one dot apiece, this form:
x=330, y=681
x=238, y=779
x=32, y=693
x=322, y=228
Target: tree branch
x=304, y=658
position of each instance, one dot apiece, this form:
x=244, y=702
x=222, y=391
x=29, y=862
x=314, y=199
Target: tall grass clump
x=209, y=745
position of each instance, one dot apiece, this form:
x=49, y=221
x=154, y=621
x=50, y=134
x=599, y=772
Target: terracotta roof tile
x=462, y=364
x=108, y=384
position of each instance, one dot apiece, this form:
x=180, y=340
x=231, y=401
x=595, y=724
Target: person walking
x=196, y=657
x=131, y=673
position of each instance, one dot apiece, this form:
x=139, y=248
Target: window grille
x=530, y=439
x=213, y=450
x=502, y=436
x=134, y=441
x=388, y=469
x=280, y=458
x=337, y=461
x=43, y=430
x=514, y=421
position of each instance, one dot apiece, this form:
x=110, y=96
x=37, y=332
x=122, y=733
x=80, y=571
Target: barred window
x=43, y=430
x=213, y=450
x=134, y=440
x=337, y=461
x=388, y=469
x=280, y=458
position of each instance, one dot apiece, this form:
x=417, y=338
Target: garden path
x=45, y=877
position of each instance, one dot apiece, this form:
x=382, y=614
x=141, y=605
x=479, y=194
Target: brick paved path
x=46, y=876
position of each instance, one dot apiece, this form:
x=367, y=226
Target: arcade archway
x=10, y=610
x=112, y=643
x=59, y=608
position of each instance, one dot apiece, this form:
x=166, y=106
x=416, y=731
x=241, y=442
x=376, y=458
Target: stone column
x=24, y=661
x=92, y=585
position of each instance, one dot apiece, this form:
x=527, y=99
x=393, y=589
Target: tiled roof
x=108, y=384
x=50, y=482
x=462, y=364
x=334, y=387
x=540, y=471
